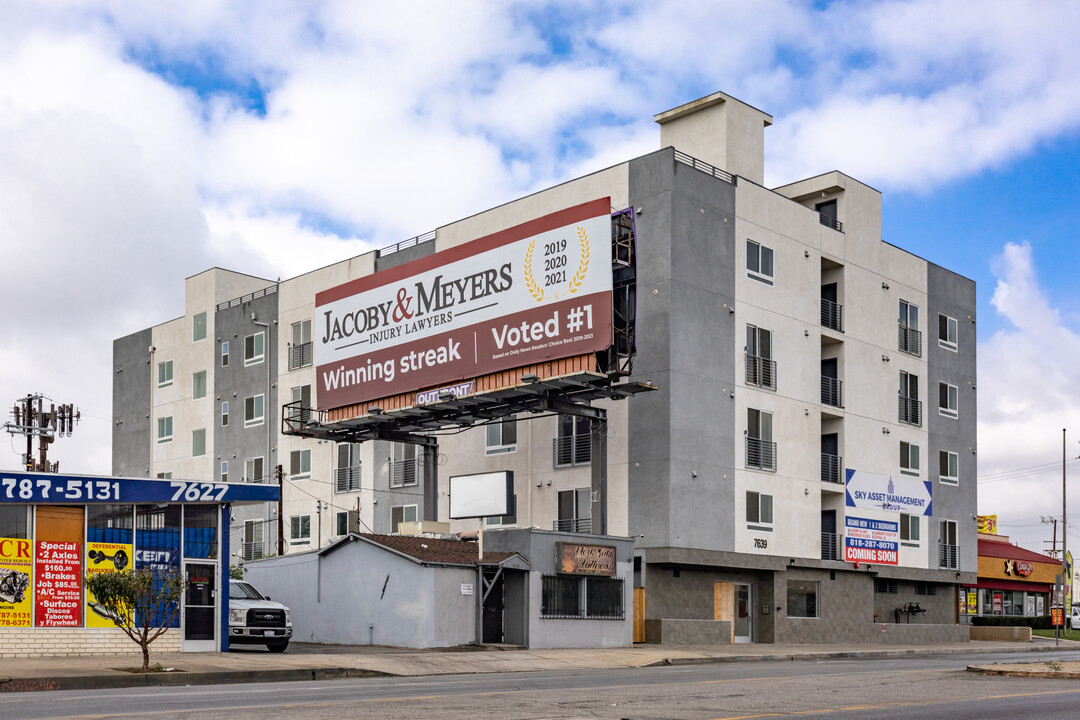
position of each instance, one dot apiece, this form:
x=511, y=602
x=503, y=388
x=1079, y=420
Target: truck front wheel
x=277, y=646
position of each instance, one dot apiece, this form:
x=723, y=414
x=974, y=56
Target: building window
x=948, y=550
x=341, y=523
x=499, y=520
x=886, y=586
x=573, y=444
x=401, y=514
x=405, y=464
x=253, y=411
x=575, y=511
x=300, y=530
x=300, y=407
x=164, y=429
x=198, y=442
x=759, y=514
x=909, y=530
x=198, y=385
x=300, y=465
x=760, y=367
x=946, y=332
x=502, y=436
x=164, y=373
x=300, y=348
x=909, y=458
x=253, y=470
x=164, y=476
x=910, y=339
x=759, y=262
x=925, y=589
x=347, y=472
x=910, y=407
x=198, y=327
x=760, y=448
x=254, y=349
x=224, y=471
x=224, y=413
x=802, y=599
x=253, y=540
x=948, y=467
x=947, y=399
x=225, y=353
x=572, y=596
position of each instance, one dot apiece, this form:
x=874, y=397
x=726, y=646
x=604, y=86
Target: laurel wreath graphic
x=534, y=288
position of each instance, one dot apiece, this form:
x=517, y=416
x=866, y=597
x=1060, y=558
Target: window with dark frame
x=577, y=597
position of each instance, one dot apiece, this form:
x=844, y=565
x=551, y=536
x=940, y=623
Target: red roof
x=998, y=549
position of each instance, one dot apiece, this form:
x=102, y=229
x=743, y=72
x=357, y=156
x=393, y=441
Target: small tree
x=144, y=603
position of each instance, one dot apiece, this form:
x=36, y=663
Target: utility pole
x=1053, y=543
x=280, y=473
x=32, y=420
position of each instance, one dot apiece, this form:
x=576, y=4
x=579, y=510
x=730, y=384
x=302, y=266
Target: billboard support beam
x=431, y=482
x=598, y=443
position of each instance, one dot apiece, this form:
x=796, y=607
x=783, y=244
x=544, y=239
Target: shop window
x=802, y=599
x=201, y=531
x=571, y=596
x=15, y=521
x=109, y=524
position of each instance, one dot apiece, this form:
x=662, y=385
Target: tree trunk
x=145, y=656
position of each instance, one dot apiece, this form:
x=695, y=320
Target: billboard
x=531, y=293
x=481, y=495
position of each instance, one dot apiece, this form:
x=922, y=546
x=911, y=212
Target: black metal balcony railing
x=830, y=546
x=830, y=391
x=830, y=468
x=948, y=556
x=346, y=479
x=909, y=340
x=910, y=410
x=761, y=371
x=301, y=356
x=297, y=413
x=580, y=525
x=571, y=450
x=832, y=315
x=829, y=221
x=252, y=550
x=404, y=472
x=760, y=454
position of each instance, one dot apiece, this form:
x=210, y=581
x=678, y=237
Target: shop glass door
x=200, y=607
x=744, y=614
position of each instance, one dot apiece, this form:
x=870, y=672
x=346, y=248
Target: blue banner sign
x=40, y=488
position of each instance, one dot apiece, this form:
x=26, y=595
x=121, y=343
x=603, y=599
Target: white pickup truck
x=255, y=619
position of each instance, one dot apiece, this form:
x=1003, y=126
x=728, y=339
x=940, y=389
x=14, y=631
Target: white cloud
x=1029, y=389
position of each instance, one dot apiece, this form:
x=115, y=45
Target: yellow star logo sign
x=1010, y=567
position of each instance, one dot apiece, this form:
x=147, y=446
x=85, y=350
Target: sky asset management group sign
x=531, y=293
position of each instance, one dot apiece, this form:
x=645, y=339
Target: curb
x=181, y=678
x=990, y=670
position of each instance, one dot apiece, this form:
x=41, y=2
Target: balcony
x=761, y=371
x=948, y=556
x=909, y=340
x=578, y=525
x=830, y=391
x=910, y=410
x=830, y=468
x=252, y=550
x=829, y=221
x=832, y=315
x=300, y=356
x=346, y=479
x=760, y=454
x=404, y=472
x=296, y=413
x=571, y=450
x=830, y=546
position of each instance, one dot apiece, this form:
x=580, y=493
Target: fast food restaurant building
x=1012, y=580
x=54, y=529
x=803, y=466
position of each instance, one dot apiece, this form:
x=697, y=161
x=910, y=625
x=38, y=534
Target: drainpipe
x=153, y=414
x=267, y=345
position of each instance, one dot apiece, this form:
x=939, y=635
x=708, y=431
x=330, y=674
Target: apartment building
x=804, y=468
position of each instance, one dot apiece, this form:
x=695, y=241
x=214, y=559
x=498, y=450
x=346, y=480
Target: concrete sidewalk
x=305, y=661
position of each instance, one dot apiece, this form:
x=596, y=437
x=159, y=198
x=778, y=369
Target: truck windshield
x=243, y=591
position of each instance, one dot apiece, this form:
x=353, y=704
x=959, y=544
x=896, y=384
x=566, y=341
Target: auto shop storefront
x=56, y=528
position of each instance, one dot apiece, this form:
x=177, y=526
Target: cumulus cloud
x=1029, y=389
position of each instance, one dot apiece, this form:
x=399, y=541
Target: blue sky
x=144, y=142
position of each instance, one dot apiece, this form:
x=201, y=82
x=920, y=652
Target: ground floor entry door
x=744, y=614
x=199, y=609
